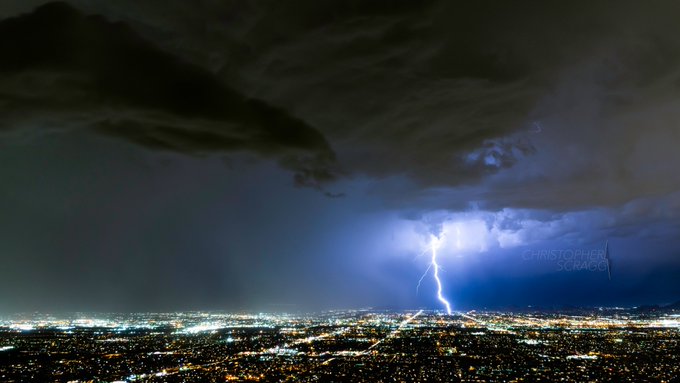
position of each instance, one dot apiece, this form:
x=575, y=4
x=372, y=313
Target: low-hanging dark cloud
x=523, y=104
x=466, y=102
x=527, y=105
x=63, y=69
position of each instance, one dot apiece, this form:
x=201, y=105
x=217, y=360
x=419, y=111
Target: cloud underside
x=493, y=104
x=64, y=70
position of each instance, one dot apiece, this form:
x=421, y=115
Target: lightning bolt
x=422, y=277
x=434, y=244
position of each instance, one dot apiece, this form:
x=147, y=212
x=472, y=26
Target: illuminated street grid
x=343, y=346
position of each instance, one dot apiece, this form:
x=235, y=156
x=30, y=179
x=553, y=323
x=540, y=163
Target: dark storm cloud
x=466, y=102
x=528, y=104
x=62, y=69
x=508, y=104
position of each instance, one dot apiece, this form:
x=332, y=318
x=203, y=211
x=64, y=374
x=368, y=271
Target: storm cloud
x=524, y=123
x=571, y=102
x=506, y=104
x=62, y=69
x=475, y=102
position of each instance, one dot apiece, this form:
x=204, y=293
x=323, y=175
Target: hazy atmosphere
x=255, y=155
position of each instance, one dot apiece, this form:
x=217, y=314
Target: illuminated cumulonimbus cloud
x=480, y=231
x=456, y=234
x=460, y=236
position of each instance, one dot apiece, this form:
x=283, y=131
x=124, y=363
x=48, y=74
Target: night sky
x=275, y=155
